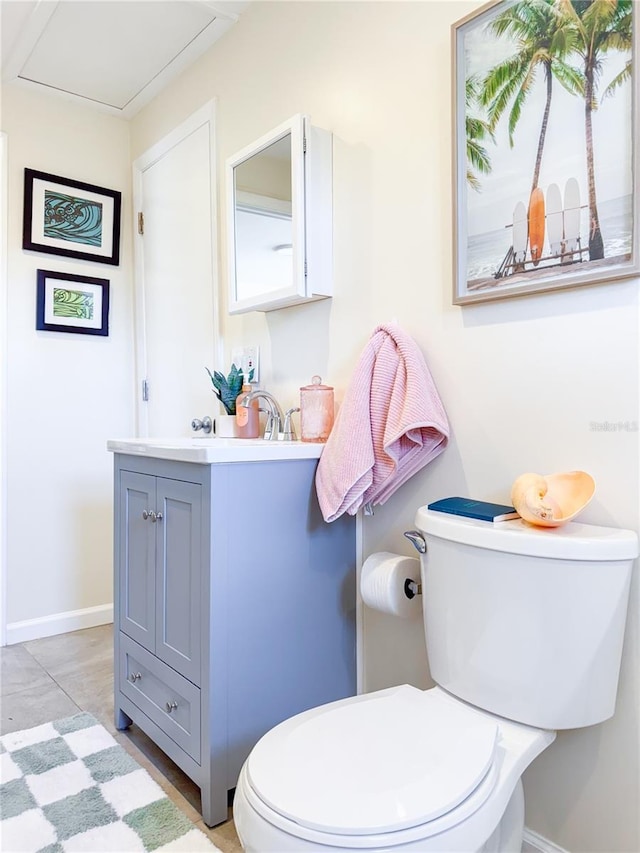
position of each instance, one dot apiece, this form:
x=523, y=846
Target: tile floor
x=43, y=680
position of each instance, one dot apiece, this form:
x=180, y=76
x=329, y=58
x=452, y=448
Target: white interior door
x=176, y=293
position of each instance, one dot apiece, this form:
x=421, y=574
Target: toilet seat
x=399, y=760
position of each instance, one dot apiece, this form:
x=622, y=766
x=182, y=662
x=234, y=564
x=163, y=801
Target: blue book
x=474, y=509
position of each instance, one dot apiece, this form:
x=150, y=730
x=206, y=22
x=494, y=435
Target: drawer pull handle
x=134, y=677
x=171, y=706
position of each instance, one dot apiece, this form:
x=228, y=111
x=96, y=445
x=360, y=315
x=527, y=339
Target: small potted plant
x=227, y=389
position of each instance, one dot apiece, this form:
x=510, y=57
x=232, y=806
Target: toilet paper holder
x=411, y=588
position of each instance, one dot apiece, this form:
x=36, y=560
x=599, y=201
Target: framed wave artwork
x=71, y=218
x=545, y=159
x=72, y=303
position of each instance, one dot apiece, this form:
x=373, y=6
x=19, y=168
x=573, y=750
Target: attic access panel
x=116, y=55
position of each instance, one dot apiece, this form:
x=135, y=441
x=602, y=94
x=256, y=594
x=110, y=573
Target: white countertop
x=206, y=450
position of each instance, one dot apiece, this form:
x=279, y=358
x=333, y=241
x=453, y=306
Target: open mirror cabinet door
x=279, y=222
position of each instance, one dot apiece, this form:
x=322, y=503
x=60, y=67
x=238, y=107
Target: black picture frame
x=71, y=218
x=82, y=309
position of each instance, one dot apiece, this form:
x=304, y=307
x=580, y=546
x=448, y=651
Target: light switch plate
x=246, y=358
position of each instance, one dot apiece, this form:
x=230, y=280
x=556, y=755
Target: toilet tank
x=526, y=622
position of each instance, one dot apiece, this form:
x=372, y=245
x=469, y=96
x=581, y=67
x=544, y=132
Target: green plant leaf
x=227, y=388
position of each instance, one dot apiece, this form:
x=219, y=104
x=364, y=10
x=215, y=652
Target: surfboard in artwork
x=536, y=225
x=520, y=233
x=571, y=215
x=555, y=231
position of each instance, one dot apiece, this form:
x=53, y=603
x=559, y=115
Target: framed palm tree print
x=545, y=152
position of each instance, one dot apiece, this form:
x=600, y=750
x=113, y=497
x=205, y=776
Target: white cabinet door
x=176, y=294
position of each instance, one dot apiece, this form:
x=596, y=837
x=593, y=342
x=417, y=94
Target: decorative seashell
x=552, y=499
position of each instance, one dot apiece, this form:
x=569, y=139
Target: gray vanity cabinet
x=234, y=608
x=160, y=567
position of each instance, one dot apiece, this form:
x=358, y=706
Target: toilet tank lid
x=571, y=541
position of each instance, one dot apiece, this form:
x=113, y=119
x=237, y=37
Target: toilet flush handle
x=411, y=588
x=415, y=537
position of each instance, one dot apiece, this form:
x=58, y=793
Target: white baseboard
x=58, y=623
x=534, y=843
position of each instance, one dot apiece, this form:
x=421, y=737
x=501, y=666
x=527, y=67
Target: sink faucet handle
x=288, y=430
x=272, y=425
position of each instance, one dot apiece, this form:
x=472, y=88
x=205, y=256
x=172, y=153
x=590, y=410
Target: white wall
x=521, y=379
x=66, y=393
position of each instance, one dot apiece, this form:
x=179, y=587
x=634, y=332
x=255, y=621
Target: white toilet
x=524, y=631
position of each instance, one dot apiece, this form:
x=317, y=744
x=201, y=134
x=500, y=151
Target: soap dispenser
x=316, y=411
x=247, y=418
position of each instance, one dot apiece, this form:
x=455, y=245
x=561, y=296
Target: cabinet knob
x=171, y=706
x=206, y=424
x=150, y=514
x=134, y=677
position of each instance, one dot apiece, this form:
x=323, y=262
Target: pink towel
x=390, y=425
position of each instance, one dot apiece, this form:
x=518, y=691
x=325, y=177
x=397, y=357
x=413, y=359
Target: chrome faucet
x=275, y=417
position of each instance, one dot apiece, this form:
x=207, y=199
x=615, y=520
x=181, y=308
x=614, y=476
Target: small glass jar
x=316, y=411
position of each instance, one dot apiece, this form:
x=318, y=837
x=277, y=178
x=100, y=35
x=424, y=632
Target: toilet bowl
x=399, y=769
x=440, y=770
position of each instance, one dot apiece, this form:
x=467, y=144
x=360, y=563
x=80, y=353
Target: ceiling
x=115, y=55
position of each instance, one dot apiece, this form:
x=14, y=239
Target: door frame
x=4, y=349
x=206, y=115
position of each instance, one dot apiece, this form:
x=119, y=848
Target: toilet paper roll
x=382, y=584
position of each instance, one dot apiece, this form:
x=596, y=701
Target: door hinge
x=305, y=268
x=304, y=143
x=140, y=222
x=145, y=391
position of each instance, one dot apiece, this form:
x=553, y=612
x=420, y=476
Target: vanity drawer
x=172, y=702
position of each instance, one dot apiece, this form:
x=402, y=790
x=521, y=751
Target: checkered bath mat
x=68, y=786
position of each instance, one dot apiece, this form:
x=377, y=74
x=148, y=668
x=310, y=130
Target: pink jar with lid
x=316, y=410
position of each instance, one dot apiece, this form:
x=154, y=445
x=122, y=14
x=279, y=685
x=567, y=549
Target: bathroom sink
x=206, y=449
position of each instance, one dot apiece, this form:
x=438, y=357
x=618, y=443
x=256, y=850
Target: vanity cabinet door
x=161, y=568
x=137, y=558
x=178, y=575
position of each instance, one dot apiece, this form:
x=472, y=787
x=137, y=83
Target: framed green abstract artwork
x=72, y=303
x=71, y=218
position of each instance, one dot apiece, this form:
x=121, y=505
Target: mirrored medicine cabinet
x=279, y=221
